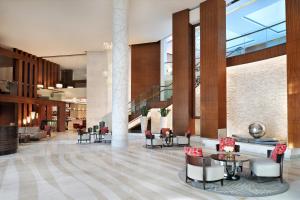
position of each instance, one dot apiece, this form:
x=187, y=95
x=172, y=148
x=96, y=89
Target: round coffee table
x=232, y=163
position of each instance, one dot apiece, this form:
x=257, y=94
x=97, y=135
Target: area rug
x=246, y=186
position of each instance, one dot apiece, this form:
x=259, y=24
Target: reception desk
x=8, y=139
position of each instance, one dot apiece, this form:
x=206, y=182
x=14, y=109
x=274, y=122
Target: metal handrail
x=269, y=27
x=146, y=99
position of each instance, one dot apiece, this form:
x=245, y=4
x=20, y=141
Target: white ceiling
x=61, y=27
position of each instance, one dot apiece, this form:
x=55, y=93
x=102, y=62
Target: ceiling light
x=70, y=87
x=50, y=88
x=59, y=85
x=40, y=86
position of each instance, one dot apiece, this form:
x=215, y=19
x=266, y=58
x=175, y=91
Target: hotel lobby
x=150, y=99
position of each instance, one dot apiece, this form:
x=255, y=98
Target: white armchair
x=203, y=170
x=83, y=136
x=181, y=140
x=272, y=166
x=152, y=140
x=107, y=137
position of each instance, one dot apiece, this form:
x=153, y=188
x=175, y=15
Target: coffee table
x=232, y=162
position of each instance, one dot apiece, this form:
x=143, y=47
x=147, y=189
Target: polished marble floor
x=58, y=168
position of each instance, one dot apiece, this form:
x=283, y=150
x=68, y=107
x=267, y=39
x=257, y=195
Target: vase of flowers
x=228, y=150
x=144, y=118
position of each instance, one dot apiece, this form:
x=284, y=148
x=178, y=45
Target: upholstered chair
x=153, y=141
x=272, y=166
x=105, y=135
x=199, y=168
x=83, y=136
x=182, y=140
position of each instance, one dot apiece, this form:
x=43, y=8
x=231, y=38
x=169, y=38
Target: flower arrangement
x=228, y=149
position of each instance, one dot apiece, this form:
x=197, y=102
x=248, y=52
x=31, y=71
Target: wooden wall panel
x=293, y=70
x=263, y=54
x=213, y=67
x=25, y=79
x=30, y=79
x=182, y=72
x=40, y=71
x=49, y=112
x=145, y=67
x=44, y=63
x=61, y=117
x=7, y=111
x=28, y=72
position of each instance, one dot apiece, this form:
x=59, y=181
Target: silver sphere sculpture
x=257, y=130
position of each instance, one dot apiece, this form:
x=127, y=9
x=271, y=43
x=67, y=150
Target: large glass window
x=167, y=61
x=197, y=71
x=250, y=26
x=166, y=68
x=254, y=25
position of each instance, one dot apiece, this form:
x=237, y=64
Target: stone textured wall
x=258, y=92
x=98, y=88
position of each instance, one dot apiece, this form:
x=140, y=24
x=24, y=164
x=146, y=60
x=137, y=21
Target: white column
x=120, y=75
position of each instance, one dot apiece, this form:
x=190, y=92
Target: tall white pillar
x=120, y=75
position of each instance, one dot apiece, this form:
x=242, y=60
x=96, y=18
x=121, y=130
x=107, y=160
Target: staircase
x=155, y=97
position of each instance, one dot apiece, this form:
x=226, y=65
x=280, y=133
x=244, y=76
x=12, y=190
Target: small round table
x=232, y=162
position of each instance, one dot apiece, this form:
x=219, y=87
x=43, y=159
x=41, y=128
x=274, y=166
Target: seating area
x=95, y=134
x=230, y=165
x=166, y=138
x=150, y=99
x=27, y=134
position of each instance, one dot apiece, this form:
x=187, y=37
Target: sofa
x=35, y=132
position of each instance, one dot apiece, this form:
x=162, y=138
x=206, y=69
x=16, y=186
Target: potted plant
x=163, y=117
x=144, y=118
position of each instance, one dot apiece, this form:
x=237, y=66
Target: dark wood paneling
x=8, y=140
x=213, y=67
x=40, y=71
x=45, y=67
x=28, y=71
x=293, y=70
x=182, y=72
x=49, y=112
x=25, y=79
x=30, y=79
x=67, y=77
x=61, y=117
x=145, y=67
x=7, y=111
x=271, y=52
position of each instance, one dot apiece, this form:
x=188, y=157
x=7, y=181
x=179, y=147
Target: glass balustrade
x=153, y=95
x=258, y=40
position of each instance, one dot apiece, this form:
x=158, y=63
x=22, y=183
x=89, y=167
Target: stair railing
x=154, y=94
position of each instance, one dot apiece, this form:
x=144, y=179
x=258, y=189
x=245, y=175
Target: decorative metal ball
x=257, y=130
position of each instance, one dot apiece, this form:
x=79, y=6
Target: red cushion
x=188, y=133
x=279, y=150
x=164, y=131
x=193, y=151
x=104, y=130
x=227, y=141
x=148, y=133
